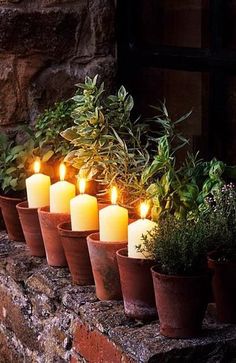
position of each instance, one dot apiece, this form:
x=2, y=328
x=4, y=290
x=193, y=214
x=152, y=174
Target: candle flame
x=82, y=185
x=144, y=208
x=114, y=195
x=37, y=166
x=62, y=170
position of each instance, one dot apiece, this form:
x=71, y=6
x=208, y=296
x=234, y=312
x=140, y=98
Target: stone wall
x=45, y=319
x=46, y=46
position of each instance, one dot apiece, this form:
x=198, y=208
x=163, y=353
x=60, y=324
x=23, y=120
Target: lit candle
x=84, y=210
x=37, y=188
x=61, y=193
x=113, y=221
x=136, y=230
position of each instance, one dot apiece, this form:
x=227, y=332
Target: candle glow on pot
x=37, y=188
x=113, y=221
x=137, y=230
x=84, y=210
x=61, y=193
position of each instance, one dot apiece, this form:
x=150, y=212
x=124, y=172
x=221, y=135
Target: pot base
x=76, y=251
x=105, y=268
x=11, y=218
x=52, y=242
x=139, y=299
x=31, y=228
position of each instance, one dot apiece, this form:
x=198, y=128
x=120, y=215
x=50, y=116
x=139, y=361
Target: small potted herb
x=181, y=279
x=222, y=207
x=15, y=162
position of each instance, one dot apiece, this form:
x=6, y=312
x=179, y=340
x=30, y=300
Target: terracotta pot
x=77, y=255
x=139, y=298
x=2, y=224
x=11, y=218
x=105, y=268
x=181, y=303
x=31, y=228
x=52, y=241
x=224, y=289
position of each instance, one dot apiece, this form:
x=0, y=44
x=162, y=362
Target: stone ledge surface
x=45, y=319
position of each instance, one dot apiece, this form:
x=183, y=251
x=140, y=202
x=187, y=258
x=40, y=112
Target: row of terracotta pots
x=181, y=301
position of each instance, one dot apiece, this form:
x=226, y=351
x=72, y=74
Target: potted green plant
x=180, y=185
x=49, y=145
x=180, y=276
x=15, y=163
x=107, y=144
x=222, y=260
x=50, y=148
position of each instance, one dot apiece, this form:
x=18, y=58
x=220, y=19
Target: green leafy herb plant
x=180, y=246
x=107, y=145
x=221, y=207
x=179, y=189
x=15, y=165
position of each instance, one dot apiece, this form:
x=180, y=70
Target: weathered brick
x=95, y=347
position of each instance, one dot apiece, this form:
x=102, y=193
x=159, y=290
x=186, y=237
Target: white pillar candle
x=37, y=188
x=84, y=211
x=61, y=193
x=113, y=221
x=136, y=230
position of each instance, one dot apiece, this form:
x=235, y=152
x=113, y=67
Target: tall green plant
x=180, y=189
x=107, y=145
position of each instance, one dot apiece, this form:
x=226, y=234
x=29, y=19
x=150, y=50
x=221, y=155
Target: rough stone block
x=74, y=297
x=15, y=312
x=48, y=281
x=49, y=32
x=56, y=337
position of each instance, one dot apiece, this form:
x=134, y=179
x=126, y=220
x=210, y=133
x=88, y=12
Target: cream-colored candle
x=135, y=232
x=61, y=193
x=37, y=188
x=113, y=221
x=84, y=211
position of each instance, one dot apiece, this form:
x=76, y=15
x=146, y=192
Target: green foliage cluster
x=180, y=246
x=15, y=164
x=180, y=189
x=48, y=144
x=43, y=141
x=107, y=145
x=221, y=207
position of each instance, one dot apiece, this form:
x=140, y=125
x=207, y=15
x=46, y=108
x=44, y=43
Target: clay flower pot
x=52, y=241
x=31, y=228
x=137, y=286
x=181, y=303
x=224, y=288
x=2, y=224
x=104, y=265
x=11, y=218
x=77, y=255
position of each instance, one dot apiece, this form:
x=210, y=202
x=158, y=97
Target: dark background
x=183, y=51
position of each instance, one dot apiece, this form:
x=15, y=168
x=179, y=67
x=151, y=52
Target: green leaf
x=47, y=156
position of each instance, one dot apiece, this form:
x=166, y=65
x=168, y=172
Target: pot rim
x=65, y=230
x=91, y=238
x=178, y=277
x=211, y=259
x=3, y=197
x=45, y=210
x=23, y=206
x=123, y=253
